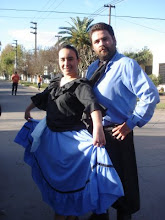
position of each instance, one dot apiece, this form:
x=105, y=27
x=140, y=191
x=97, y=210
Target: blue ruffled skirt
x=73, y=176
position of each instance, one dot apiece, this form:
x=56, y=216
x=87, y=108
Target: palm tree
x=77, y=32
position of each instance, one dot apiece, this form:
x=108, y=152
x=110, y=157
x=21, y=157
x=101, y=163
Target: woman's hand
x=98, y=133
x=27, y=115
x=27, y=111
x=98, y=136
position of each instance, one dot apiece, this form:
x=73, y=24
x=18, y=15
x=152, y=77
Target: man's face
x=68, y=61
x=103, y=44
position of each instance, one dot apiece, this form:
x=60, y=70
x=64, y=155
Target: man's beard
x=107, y=55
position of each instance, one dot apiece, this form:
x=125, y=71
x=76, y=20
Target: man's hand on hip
x=121, y=131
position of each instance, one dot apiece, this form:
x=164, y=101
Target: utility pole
x=35, y=33
x=15, y=43
x=58, y=36
x=109, y=6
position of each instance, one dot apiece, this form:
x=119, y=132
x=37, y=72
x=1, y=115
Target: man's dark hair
x=68, y=46
x=99, y=27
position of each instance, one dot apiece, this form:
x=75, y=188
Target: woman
x=66, y=160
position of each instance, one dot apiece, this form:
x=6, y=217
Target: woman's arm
x=27, y=111
x=98, y=133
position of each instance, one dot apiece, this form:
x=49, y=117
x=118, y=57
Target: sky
x=137, y=23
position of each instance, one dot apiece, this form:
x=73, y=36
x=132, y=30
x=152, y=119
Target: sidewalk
x=150, y=152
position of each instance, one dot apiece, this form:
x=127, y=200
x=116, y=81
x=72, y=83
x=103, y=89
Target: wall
x=158, y=57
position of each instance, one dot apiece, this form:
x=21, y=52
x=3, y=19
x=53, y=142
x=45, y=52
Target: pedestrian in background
x=15, y=78
x=39, y=81
x=118, y=82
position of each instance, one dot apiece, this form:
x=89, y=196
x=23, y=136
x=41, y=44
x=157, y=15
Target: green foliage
x=77, y=33
x=25, y=83
x=8, y=59
x=156, y=80
x=143, y=57
x=160, y=106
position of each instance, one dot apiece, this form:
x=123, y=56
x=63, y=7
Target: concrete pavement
x=21, y=199
x=150, y=151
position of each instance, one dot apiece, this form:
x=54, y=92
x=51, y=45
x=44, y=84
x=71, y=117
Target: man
x=15, y=79
x=119, y=86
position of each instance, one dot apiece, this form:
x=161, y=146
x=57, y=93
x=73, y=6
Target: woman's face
x=68, y=62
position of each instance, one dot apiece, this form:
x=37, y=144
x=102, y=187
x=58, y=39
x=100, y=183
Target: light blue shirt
x=118, y=89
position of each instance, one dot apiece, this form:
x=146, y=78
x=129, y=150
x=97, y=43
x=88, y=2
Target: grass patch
x=25, y=83
x=160, y=106
x=44, y=85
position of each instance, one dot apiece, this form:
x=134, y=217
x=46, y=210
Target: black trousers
x=14, y=88
x=122, y=154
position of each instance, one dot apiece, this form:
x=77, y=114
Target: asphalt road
x=20, y=198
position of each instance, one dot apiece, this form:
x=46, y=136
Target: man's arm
x=137, y=81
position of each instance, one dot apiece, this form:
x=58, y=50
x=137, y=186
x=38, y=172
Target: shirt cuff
x=130, y=124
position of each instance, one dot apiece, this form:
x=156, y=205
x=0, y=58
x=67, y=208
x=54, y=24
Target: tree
x=143, y=57
x=156, y=80
x=77, y=32
x=7, y=60
x=49, y=58
x=46, y=58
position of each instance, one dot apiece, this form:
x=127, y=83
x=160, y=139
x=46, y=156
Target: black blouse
x=65, y=105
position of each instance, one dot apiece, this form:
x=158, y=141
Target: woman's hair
x=68, y=46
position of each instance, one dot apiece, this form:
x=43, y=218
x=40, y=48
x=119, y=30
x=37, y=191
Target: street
x=19, y=196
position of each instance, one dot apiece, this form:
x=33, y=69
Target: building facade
x=159, y=64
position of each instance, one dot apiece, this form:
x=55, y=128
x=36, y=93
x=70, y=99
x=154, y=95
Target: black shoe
x=94, y=216
x=122, y=216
